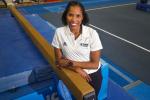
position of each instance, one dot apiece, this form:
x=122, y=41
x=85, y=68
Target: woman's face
x=74, y=18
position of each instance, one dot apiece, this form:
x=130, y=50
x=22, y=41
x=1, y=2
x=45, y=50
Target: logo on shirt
x=64, y=44
x=84, y=44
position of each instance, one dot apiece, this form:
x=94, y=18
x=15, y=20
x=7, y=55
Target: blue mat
x=43, y=27
x=17, y=50
x=60, y=6
x=20, y=61
x=140, y=92
x=115, y=92
x=4, y=13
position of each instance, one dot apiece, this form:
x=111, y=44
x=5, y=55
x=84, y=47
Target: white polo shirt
x=77, y=49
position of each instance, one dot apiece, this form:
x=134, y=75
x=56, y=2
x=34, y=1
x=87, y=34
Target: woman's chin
x=73, y=27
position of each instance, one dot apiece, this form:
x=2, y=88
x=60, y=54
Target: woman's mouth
x=73, y=24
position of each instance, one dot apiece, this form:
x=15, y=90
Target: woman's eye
x=70, y=15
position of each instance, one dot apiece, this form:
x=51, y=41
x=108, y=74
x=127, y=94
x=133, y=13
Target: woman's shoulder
x=88, y=29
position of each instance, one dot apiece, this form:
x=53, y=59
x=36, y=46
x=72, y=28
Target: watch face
x=70, y=63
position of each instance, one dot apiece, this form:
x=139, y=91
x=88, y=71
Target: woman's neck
x=76, y=33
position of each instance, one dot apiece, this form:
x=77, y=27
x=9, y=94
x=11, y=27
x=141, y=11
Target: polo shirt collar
x=69, y=31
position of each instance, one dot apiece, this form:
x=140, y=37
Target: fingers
x=58, y=66
x=87, y=77
x=83, y=74
x=64, y=62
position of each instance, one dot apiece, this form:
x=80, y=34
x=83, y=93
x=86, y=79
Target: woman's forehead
x=75, y=9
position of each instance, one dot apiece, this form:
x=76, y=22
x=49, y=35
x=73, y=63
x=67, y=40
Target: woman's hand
x=63, y=62
x=83, y=74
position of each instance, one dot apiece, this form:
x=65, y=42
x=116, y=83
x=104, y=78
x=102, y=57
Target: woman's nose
x=74, y=18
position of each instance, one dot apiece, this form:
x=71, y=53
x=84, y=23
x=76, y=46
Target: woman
x=78, y=46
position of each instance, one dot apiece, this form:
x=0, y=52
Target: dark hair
x=75, y=3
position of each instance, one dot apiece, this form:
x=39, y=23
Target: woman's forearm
x=86, y=65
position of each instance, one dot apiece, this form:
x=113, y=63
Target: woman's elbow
x=96, y=65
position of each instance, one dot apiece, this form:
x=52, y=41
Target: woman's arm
x=60, y=60
x=92, y=64
x=63, y=62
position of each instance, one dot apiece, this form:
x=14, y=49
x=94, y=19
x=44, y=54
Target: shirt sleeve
x=56, y=42
x=95, y=42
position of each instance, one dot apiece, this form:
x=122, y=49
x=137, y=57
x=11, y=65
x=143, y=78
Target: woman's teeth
x=73, y=24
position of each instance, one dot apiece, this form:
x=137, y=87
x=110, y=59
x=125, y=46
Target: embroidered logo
x=84, y=44
x=64, y=44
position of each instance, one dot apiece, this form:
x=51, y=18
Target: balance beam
x=76, y=84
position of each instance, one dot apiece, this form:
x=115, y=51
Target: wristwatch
x=70, y=63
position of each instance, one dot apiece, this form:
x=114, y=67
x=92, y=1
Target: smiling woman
x=78, y=45
x=74, y=20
